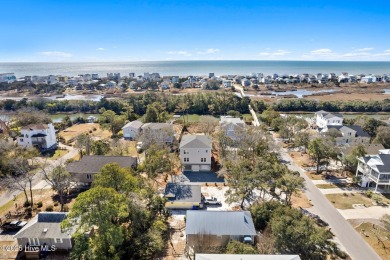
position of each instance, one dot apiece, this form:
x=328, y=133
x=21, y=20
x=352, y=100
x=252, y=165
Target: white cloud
x=100, y=49
x=275, y=53
x=184, y=53
x=322, y=52
x=209, y=51
x=356, y=54
x=387, y=51
x=56, y=54
x=364, y=49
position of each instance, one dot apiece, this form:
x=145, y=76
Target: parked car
x=212, y=201
x=13, y=225
x=139, y=147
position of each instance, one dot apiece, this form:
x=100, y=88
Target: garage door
x=205, y=167
x=195, y=168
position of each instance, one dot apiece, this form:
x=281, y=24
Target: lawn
x=301, y=159
x=58, y=154
x=326, y=186
x=346, y=200
x=369, y=232
x=191, y=118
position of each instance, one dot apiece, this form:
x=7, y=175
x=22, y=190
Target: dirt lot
x=370, y=232
x=301, y=159
x=72, y=132
x=300, y=200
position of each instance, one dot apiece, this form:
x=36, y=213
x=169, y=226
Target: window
x=186, y=159
x=89, y=176
x=57, y=240
x=21, y=139
x=33, y=241
x=186, y=152
x=202, y=159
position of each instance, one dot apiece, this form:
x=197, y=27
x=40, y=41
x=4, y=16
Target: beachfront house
x=40, y=136
x=132, y=130
x=195, y=152
x=45, y=230
x=368, y=79
x=232, y=127
x=324, y=119
x=183, y=196
x=110, y=84
x=83, y=171
x=374, y=171
x=207, y=231
x=7, y=77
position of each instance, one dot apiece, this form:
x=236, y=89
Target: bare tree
x=60, y=180
x=208, y=124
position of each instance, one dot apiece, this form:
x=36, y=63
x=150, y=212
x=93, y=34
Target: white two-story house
x=325, y=119
x=232, y=127
x=375, y=170
x=41, y=136
x=195, y=152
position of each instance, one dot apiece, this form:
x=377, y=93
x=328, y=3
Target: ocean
x=185, y=68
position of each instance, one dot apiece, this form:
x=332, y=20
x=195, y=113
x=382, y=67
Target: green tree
x=113, y=176
x=318, y=151
x=239, y=248
x=302, y=139
x=350, y=161
x=298, y=234
x=371, y=126
x=104, y=208
x=100, y=147
x=289, y=184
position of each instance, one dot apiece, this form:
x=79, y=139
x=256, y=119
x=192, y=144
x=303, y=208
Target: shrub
x=39, y=204
x=90, y=131
x=55, y=204
x=66, y=208
x=26, y=204
x=49, y=208
x=369, y=193
x=94, y=129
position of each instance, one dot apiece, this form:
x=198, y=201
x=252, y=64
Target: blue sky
x=132, y=30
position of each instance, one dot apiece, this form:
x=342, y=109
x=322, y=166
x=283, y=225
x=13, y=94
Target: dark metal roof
x=233, y=223
x=51, y=217
x=93, y=164
x=39, y=135
x=183, y=192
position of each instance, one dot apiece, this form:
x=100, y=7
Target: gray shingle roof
x=359, y=131
x=183, y=192
x=156, y=126
x=233, y=223
x=46, y=221
x=93, y=164
x=195, y=141
x=386, y=163
x=134, y=124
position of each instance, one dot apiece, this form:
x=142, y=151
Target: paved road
x=38, y=180
x=353, y=243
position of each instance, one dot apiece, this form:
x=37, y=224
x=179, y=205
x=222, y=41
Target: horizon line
x=190, y=61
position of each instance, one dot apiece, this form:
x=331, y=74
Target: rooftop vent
x=44, y=230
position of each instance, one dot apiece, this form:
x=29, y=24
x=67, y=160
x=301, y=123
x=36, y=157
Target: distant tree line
x=200, y=103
